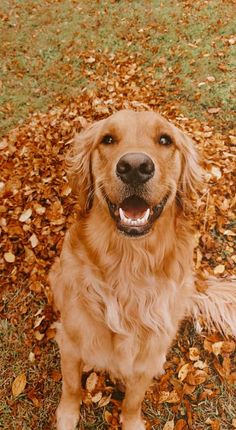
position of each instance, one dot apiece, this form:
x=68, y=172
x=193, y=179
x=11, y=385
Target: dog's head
x=136, y=165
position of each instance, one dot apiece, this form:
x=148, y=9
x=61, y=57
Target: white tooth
x=139, y=220
x=122, y=215
x=146, y=216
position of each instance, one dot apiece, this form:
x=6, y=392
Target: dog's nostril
x=123, y=167
x=147, y=168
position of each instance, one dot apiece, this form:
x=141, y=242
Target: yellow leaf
x=33, y=240
x=19, y=384
x=104, y=401
x=169, y=425
x=216, y=348
x=108, y=417
x=91, y=381
x=25, y=215
x=9, y=257
x=97, y=397
x=219, y=269
x=183, y=372
x=194, y=354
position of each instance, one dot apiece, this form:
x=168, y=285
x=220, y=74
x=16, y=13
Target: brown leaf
x=56, y=375
x=19, y=384
x=180, y=424
x=197, y=378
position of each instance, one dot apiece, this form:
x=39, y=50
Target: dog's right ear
x=79, y=164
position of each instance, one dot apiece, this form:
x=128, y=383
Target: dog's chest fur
x=126, y=313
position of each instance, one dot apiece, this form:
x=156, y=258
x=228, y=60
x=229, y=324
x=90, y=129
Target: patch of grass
x=44, y=46
x=16, y=346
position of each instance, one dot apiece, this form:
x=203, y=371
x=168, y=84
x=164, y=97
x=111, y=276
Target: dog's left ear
x=192, y=173
x=79, y=164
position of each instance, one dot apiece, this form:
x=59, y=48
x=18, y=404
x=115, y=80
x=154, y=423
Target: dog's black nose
x=135, y=168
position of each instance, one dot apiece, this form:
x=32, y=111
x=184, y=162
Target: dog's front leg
x=68, y=410
x=136, y=387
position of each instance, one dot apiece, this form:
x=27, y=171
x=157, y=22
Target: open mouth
x=133, y=216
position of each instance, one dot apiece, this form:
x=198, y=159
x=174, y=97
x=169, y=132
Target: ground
x=67, y=60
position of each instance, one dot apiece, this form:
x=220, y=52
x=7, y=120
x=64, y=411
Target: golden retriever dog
x=124, y=280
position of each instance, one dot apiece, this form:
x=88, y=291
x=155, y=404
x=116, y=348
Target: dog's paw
x=66, y=419
x=133, y=424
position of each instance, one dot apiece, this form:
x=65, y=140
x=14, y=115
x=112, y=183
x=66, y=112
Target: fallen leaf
x=197, y=378
x=229, y=233
x=200, y=364
x=33, y=240
x=163, y=396
x=194, y=354
x=216, y=348
x=40, y=210
x=32, y=357
x=211, y=78
x=183, y=371
x=91, y=382
x=39, y=336
x=56, y=375
x=180, y=424
x=213, y=110
x=108, y=417
x=25, y=216
x=9, y=257
x=38, y=321
x=218, y=270
x=19, y=384
x=104, y=401
x=169, y=425
x=97, y=397
x=216, y=172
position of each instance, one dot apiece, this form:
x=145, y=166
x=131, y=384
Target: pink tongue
x=134, y=207
x=134, y=214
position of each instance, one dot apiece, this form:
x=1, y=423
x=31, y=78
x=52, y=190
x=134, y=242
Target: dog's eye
x=165, y=140
x=108, y=139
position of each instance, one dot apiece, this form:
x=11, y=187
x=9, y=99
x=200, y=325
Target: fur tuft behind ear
x=79, y=164
x=192, y=173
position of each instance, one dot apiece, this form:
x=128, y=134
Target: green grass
x=45, y=46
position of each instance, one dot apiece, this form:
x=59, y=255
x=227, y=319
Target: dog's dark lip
x=153, y=213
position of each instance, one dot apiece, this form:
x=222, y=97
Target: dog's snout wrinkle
x=135, y=168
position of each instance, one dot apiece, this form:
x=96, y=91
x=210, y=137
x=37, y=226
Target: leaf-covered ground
x=73, y=59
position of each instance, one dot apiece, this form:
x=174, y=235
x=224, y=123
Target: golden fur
x=121, y=298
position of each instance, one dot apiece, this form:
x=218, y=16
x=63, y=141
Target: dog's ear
x=79, y=164
x=192, y=173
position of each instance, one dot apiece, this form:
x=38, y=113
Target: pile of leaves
x=198, y=389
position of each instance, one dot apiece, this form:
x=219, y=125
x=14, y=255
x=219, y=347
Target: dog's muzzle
x=133, y=216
